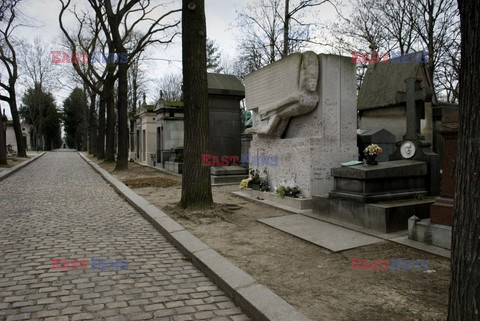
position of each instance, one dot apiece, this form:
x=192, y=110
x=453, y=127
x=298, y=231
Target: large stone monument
x=304, y=112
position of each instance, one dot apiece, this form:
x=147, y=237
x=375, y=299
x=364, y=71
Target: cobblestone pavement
x=58, y=207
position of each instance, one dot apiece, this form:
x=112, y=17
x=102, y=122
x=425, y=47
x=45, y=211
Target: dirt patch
x=214, y=214
x=151, y=182
x=14, y=161
x=318, y=282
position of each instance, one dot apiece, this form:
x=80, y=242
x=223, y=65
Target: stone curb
x=256, y=300
x=7, y=172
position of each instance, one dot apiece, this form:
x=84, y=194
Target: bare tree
x=93, y=74
x=8, y=58
x=118, y=23
x=435, y=22
x=464, y=302
x=430, y=26
x=260, y=25
x=170, y=85
x=196, y=181
x=36, y=62
x=272, y=29
x=294, y=11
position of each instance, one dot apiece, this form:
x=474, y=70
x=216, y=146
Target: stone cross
x=414, y=97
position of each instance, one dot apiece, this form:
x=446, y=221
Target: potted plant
x=259, y=182
x=255, y=176
x=371, y=152
x=288, y=191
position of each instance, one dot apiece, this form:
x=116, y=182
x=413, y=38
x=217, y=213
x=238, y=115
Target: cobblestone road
x=58, y=207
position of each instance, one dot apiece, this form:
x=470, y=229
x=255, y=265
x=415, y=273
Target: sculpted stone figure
x=273, y=118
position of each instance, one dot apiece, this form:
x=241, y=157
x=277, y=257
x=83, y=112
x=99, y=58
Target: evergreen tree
x=75, y=109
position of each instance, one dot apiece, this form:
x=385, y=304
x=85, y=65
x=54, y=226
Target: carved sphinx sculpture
x=273, y=118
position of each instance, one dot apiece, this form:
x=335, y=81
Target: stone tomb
x=304, y=112
x=224, y=95
x=382, y=197
x=169, y=133
x=145, y=140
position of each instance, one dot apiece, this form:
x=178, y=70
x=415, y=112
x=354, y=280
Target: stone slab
x=298, y=203
x=399, y=168
x=385, y=217
x=329, y=236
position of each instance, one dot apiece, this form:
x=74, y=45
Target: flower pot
x=371, y=159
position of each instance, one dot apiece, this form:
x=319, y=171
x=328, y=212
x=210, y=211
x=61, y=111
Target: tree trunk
x=21, y=149
x=110, y=101
x=464, y=302
x=3, y=140
x=122, y=107
x=101, y=127
x=92, y=125
x=286, y=24
x=196, y=184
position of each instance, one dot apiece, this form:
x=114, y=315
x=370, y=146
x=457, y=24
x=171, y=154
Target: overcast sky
x=220, y=16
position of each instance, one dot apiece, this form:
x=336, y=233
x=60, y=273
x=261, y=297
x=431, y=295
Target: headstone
x=413, y=146
x=382, y=137
x=304, y=114
x=442, y=209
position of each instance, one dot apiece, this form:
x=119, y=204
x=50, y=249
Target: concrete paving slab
x=329, y=236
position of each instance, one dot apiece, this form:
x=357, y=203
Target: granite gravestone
x=308, y=124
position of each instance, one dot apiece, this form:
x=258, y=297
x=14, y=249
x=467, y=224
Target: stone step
x=385, y=217
x=227, y=179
